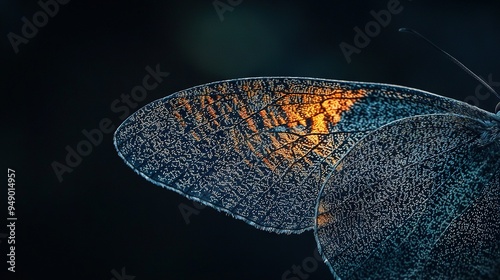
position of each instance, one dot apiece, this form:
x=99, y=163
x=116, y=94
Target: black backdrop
x=102, y=217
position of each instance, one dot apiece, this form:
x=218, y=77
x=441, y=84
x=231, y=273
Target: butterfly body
x=293, y=154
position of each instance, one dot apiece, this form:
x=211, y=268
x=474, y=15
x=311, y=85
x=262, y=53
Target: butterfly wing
x=418, y=198
x=259, y=148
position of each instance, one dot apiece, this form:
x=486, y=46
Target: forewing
x=416, y=199
x=259, y=148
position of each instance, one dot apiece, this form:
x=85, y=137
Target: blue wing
x=418, y=198
x=260, y=148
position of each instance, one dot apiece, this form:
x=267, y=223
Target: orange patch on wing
x=321, y=108
x=247, y=162
x=276, y=143
x=339, y=166
x=265, y=119
x=179, y=118
x=268, y=163
x=311, y=111
x=308, y=111
x=195, y=135
x=324, y=218
x=187, y=105
x=212, y=113
x=275, y=121
x=251, y=123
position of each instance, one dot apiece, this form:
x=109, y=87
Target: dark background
x=104, y=217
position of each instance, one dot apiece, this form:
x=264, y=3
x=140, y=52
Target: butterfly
x=395, y=182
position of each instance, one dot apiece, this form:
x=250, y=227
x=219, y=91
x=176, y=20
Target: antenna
x=454, y=60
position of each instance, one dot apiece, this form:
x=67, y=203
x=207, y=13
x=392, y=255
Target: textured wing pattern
x=260, y=148
x=418, y=198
